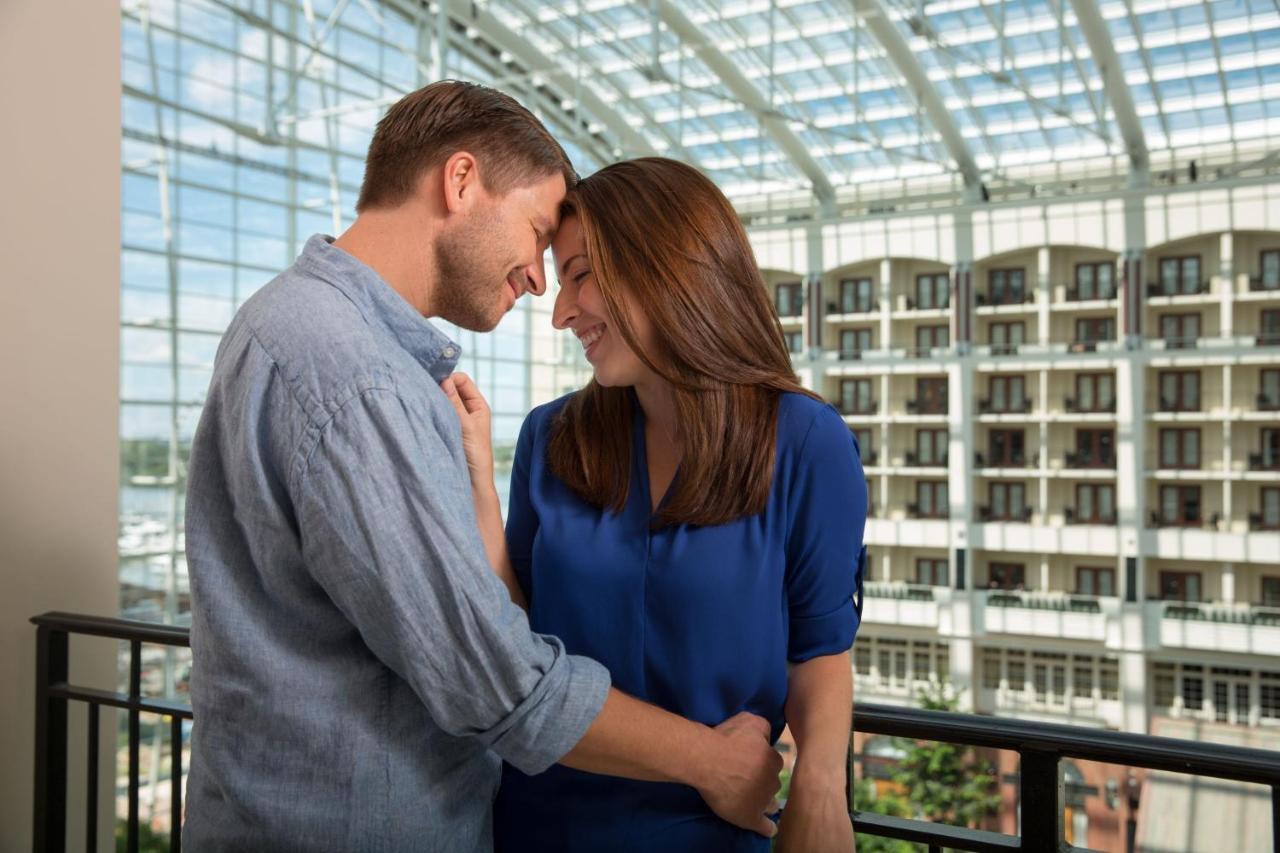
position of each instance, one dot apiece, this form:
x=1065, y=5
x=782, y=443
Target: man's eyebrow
x=545, y=228
x=564, y=268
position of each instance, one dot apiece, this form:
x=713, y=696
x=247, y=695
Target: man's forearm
x=637, y=740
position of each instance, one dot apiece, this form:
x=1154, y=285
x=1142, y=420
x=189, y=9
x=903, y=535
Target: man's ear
x=461, y=181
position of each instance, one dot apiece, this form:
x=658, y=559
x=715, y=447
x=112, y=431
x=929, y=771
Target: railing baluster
x=135, y=736
x=1275, y=818
x=50, y=829
x=175, y=782
x=91, y=784
x=1041, y=801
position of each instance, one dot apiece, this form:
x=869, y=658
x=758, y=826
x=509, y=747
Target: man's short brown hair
x=427, y=127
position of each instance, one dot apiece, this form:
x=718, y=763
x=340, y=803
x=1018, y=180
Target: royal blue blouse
x=701, y=621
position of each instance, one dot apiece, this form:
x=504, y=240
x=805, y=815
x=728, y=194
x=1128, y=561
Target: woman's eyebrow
x=564, y=268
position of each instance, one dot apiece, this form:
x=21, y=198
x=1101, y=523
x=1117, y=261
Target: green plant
x=944, y=782
x=149, y=841
x=865, y=799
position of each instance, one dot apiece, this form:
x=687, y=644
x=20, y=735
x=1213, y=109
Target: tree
x=865, y=799
x=944, y=782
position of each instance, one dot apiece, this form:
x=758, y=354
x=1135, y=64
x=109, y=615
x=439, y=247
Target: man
x=360, y=671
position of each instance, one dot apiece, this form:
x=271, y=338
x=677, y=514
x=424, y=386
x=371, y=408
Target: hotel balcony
x=1216, y=627
x=1264, y=461
x=1008, y=461
x=914, y=460
x=1076, y=461
x=987, y=514
x=1071, y=516
x=926, y=407
x=1098, y=294
x=1058, y=615
x=1015, y=407
x=1073, y=406
x=1180, y=290
x=902, y=604
x=1267, y=402
x=1257, y=284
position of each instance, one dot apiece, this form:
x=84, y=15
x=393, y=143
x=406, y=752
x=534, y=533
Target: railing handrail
x=120, y=629
x=1221, y=761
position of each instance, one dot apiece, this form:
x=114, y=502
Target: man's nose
x=565, y=310
x=536, y=276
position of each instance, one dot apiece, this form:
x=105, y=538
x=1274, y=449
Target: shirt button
x=450, y=352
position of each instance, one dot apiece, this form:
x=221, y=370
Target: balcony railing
x=1168, y=404
x=914, y=460
x=1007, y=460
x=985, y=513
x=926, y=407
x=1267, y=402
x=870, y=409
x=1234, y=614
x=1013, y=407
x=1264, y=461
x=864, y=308
x=1073, y=294
x=1180, y=342
x=912, y=306
x=1259, y=521
x=1073, y=517
x=1213, y=522
x=898, y=591
x=1071, y=404
x=1034, y=600
x=914, y=511
x=1269, y=338
x=1016, y=297
x=1179, y=289
x=1040, y=748
x=870, y=457
x=1258, y=284
x=1076, y=459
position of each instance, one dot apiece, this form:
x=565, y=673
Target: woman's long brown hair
x=662, y=238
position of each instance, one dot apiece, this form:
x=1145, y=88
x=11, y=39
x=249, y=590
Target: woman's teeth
x=591, y=337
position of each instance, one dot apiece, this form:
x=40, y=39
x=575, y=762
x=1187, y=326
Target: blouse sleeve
x=522, y=518
x=825, y=556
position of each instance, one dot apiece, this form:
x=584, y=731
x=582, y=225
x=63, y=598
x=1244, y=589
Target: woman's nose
x=566, y=308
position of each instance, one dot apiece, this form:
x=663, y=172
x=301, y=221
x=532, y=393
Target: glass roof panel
x=1014, y=80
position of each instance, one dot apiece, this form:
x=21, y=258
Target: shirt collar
x=380, y=304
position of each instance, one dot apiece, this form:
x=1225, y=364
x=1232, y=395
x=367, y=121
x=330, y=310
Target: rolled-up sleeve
x=389, y=532
x=828, y=513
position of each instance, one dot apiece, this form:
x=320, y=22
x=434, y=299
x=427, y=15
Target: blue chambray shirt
x=359, y=671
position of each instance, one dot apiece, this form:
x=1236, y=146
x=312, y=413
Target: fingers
x=469, y=392
x=449, y=387
x=766, y=827
x=751, y=722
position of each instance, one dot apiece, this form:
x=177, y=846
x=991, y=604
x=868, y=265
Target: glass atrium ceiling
x=782, y=96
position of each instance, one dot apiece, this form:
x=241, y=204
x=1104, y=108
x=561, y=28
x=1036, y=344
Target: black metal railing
x=54, y=693
x=1040, y=747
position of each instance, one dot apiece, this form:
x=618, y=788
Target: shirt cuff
x=551, y=721
x=829, y=634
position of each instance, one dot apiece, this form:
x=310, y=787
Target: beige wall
x=59, y=347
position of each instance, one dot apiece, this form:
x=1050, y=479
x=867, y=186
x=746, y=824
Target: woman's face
x=580, y=308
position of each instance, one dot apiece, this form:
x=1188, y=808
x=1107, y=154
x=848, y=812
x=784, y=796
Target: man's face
x=493, y=253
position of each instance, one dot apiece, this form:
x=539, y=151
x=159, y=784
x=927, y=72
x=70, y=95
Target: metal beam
x=498, y=34
x=752, y=99
x=876, y=18
x=1089, y=17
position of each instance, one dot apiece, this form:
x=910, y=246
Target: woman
x=692, y=518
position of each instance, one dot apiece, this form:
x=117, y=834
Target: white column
x=1227, y=270
x=886, y=301
x=962, y=669
x=1228, y=583
x=1045, y=289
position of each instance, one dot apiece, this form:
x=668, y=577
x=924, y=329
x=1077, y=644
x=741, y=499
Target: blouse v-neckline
x=642, y=462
